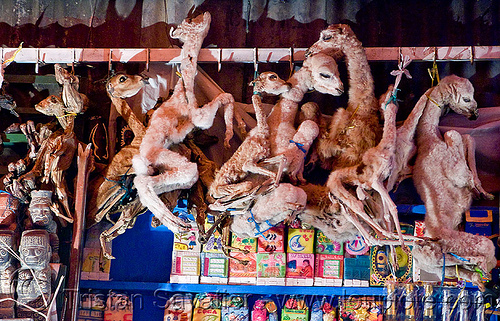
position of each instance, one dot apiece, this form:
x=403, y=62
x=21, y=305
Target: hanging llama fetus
x=357, y=128
x=158, y=168
x=446, y=179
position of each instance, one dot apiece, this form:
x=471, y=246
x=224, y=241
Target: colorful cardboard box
x=235, y=307
x=95, y=266
x=207, y=307
x=381, y=265
x=360, y=308
x=479, y=222
x=179, y=307
x=357, y=270
x=244, y=243
x=271, y=268
x=300, y=241
x=187, y=241
x=323, y=245
x=294, y=315
x=240, y=273
x=214, y=243
x=328, y=270
x=300, y=269
x=185, y=267
x=214, y=268
x=272, y=241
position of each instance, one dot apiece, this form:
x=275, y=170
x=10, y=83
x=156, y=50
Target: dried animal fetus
x=446, y=179
x=230, y=181
x=357, y=128
x=158, y=168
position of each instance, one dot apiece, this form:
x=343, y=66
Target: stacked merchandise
x=295, y=309
x=179, y=307
x=356, y=263
x=300, y=256
x=235, y=307
x=207, y=307
x=265, y=309
x=186, y=257
x=110, y=306
x=271, y=257
x=243, y=269
x=388, y=266
x=214, y=263
x=329, y=261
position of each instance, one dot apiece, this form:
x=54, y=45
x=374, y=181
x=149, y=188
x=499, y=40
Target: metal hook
x=255, y=62
x=291, y=61
x=147, y=59
x=73, y=62
x=400, y=56
x=219, y=60
x=37, y=60
x=110, y=60
x=472, y=52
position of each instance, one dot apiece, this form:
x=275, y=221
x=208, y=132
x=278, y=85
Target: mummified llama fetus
x=229, y=180
x=35, y=252
x=158, y=168
x=319, y=72
x=446, y=179
x=376, y=165
x=7, y=269
x=357, y=128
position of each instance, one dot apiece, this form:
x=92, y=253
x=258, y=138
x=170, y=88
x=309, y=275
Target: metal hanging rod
x=238, y=55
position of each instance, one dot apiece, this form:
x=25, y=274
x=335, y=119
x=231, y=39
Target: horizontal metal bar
x=238, y=55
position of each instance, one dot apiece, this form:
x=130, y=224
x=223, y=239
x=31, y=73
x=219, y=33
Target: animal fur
x=445, y=174
x=229, y=181
x=158, y=168
x=357, y=128
x=369, y=175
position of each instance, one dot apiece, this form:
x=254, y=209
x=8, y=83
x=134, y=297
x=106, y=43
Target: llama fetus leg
x=470, y=152
x=390, y=209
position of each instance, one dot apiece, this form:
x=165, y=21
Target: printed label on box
x=361, y=308
x=244, y=243
x=380, y=271
x=240, y=273
x=185, y=263
x=214, y=265
x=200, y=314
x=300, y=266
x=272, y=241
x=214, y=243
x=326, y=246
x=329, y=266
x=294, y=315
x=179, y=308
x=271, y=265
x=187, y=241
x=300, y=241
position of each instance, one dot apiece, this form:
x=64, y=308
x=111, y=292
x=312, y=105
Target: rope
x=459, y=257
x=299, y=146
x=67, y=115
x=444, y=269
x=456, y=301
x=11, y=59
x=257, y=226
x=433, y=101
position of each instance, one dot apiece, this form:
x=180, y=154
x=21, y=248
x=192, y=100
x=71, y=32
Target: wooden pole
x=84, y=160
